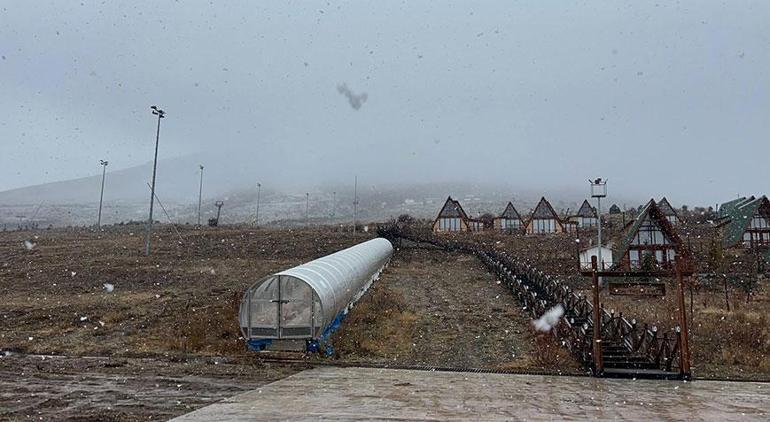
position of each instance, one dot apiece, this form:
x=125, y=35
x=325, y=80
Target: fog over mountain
x=508, y=97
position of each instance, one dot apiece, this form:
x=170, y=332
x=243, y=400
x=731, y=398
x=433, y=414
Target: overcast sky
x=659, y=98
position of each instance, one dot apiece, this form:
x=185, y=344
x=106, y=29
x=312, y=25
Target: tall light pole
x=334, y=204
x=200, y=194
x=161, y=114
x=103, y=163
x=355, y=203
x=256, y=218
x=307, y=210
x=599, y=191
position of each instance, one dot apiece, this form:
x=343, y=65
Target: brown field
x=169, y=327
x=166, y=339
x=440, y=309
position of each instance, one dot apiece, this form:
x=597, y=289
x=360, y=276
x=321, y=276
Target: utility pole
x=161, y=114
x=598, y=358
x=307, y=210
x=599, y=191
x=256, y=218
x=101, y=196
x=334, y=204
x=355, y=203
x=200, y=194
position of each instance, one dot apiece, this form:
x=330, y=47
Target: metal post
x=599, y=213
x=256, y=217
x=334, y=204
x=355, y=203
x=684, y=332
x=599, y=191
x=200, y=195
x=597, y=337
x=307, y=210
x=161, y=114
x=101, y=196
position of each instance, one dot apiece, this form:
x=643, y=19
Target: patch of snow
x=549, y=319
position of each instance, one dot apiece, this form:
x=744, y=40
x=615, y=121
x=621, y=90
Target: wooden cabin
x=651, y=234
x=586, y=216
x=451, y=218
x=587, y=253
x=746, y=222
x=544, y=219
x=667, y=210
x=509, y=220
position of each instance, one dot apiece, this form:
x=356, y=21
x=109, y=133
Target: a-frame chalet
x=544, y=219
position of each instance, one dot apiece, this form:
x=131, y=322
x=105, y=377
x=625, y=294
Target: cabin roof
x=652, y=211
x=726, y=209
x=452, y=209
x=586, y=210
x=510, y=212
x=666, y=208
x=544, y=210
x=738, y=215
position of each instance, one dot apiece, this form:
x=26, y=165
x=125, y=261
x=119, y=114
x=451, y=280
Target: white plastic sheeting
x=302, y=302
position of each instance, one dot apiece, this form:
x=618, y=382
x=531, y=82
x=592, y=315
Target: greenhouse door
x=295, y=308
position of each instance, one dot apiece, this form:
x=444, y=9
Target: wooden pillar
x=597, y=337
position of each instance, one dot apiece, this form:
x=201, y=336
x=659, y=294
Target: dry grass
x=724, y=344
x=182, y=299
x=380, y=326
x=548, y=354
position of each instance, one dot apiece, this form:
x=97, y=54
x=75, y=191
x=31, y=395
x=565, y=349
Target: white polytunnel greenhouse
x=298, y=308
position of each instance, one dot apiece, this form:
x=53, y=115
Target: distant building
x=651, y=234
x=746, y=222
x=475, y=225
x=586, y=216
x=587, y=253
x=451, y=218
x=509, y=220
x=544, y=219
x=569, y=226
x=614, y=209
x=668, y=211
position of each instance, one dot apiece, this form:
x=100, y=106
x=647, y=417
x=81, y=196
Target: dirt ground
x=91, y=329
x=169, y=319
x=434, y=308
x=140, y=337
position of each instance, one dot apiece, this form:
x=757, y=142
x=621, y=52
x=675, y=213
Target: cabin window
x=449, y=224
x=509, y=223
x=756, y=238
x=543, y=225
x=649, y=234
x=759, y=222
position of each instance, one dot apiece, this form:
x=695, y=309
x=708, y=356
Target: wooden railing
x=538, y=292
